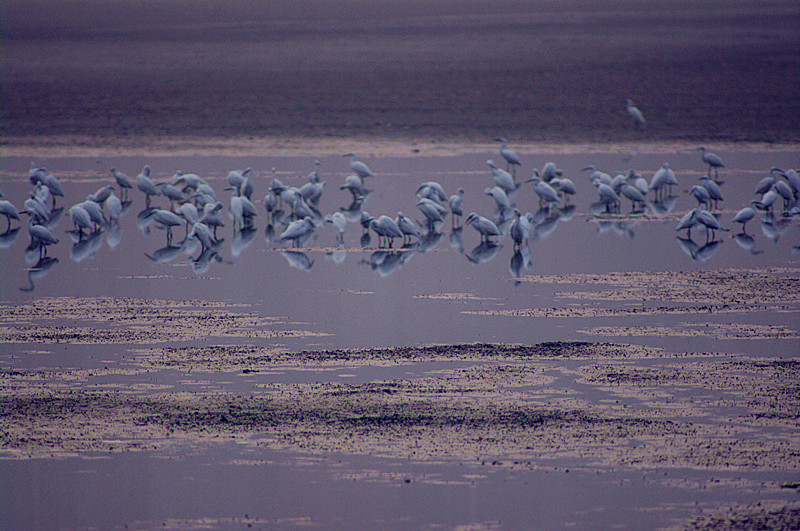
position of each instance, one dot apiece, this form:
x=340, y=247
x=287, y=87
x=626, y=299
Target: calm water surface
x=363, y=296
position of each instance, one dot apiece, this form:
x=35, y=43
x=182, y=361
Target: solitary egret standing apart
x=636, y=114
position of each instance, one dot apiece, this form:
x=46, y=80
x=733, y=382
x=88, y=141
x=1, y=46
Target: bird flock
x=189, y=206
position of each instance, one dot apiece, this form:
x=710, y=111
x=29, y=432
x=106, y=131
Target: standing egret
x=745, y=215
x=433, y=211
x=662, y=178
x=297, y=230
x=512, y=160
x=115, y=209
x=361, y=169
x=550, y=172
x=433, y=189
x=123, y=182
x=146, y=185
x=41, y=236
x=688, y=221
x=502, y=178
x=563, y=186
x=355, y=185
x=80, y=218
x=386, y=229
x=499, y=196
x=339, y=222
x=407, y=227
x=633, y=193
x=793, y=179
x=547, y=195
x=8, y=210
x=714, y=191
x=485, y=227
x=705, y=218
x=701, y=194
x=608, y=197
x=202, y=233
x=712, y=160
x=456, y=202
x=636, y=114
x=520, y=229
x=765, y=184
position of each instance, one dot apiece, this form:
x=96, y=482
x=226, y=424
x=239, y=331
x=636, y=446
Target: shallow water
x=363, y=296
x=369, y=297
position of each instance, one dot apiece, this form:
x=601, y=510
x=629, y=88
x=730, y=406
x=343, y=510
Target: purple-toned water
x=362, y=296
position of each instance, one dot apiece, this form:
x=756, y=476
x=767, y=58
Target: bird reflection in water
x=298, y=260
x=40, y=270
x=698, y=253
x=520, y=262
x=484, y=252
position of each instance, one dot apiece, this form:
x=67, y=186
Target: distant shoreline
x=83, y=146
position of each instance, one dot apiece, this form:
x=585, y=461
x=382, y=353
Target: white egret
x=190, y=213
x=386, y=229
x=632, y=193
x=705, y=218
x=597, y=175
x=297, y=230
x=550, y=172
x=608, y=196
x=499, y=196
x=171, y=193
x=485, y=227
x=502, y=178
x=512, y=160
x=688, y=221
x=785, y=191
x=563, y=186
x=339, y=222
x=80, y=218
x=547, y=195
x=520, y=229
x=768, y=199
x=8, y=210
x=635, y=113
x=202, y=233
x=456, y=204
x=42, y=237
x=37, y=211
x=355, y=185
x=436, y=189
x=123, y=181
x=407, y=227
x=662, y=178
x=433, y=211
x=714, y=191
x=712, y=160
x=361, y=169
x=211, y=216
x=793, y=179
x=146, y=185
x=701, y=194
x=95, y=212
x=101, y=195
x=765, y=184
x=745, y=215
x=115, y=209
